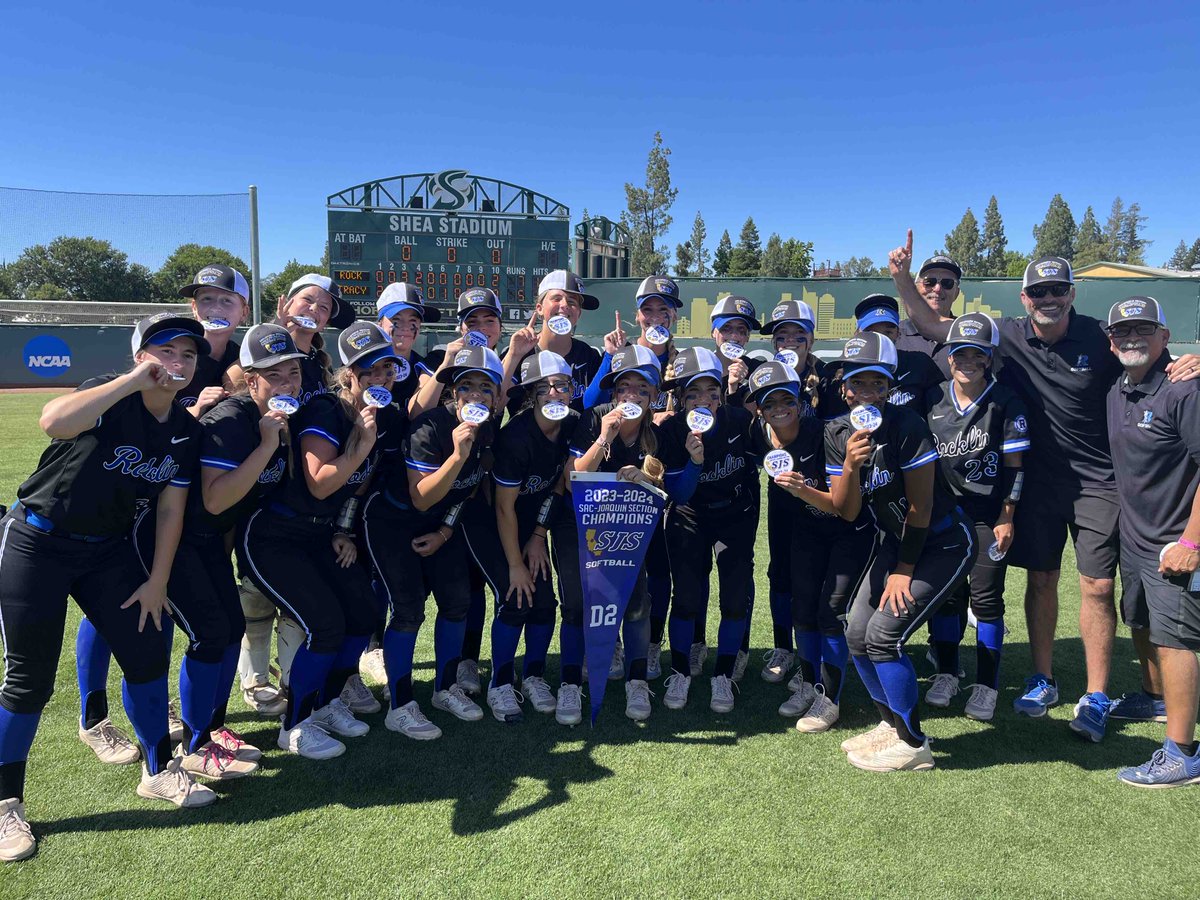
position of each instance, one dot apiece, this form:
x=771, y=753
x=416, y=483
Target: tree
x=860, y=267
x=700, y=255
x=7, y=290
x=962, y=244
x=722, y=257
x=774, y=259
x=799, y=257
x=1193, y=257
x=994, y=242
x=183, y=264
x=746, y=259
x=1177, y=261
x=1015, y=263
x=648, y=214
x=1090, y=243
x=1132, y=244
x=1056, y=235
x=1112, y=231
x=683, y=260
x=275, y=286
x=82, y=269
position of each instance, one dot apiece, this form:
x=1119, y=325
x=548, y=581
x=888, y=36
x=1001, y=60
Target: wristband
x=1013, y=482
x=912, y=542
x=1184, y=542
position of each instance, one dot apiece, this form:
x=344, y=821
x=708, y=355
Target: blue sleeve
x=594, y=395
x=681, y=485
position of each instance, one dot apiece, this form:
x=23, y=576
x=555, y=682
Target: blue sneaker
x=1167, y=768
x=1091, y=716
x=1138, y=707
x=1039, y=696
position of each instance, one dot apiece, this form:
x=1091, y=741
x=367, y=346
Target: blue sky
x=842, y=124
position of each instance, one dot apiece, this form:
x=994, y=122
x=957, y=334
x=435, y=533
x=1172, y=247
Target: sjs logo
x=599, y=542
x=451, y=189
x=47, y=356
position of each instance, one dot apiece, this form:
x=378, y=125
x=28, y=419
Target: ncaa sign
x=47, y=356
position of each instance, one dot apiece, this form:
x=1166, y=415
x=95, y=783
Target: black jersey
x=230, y=435
x=327, y=418
x=429, y=443
x=91, y=483
x=741, y=396
x=901, y=442
x=209, y=373
x=972, y=440
x=729, y=460
x=584, y=361
x=620, y=454
x=528, y=460
x=807, y=451
x=916, y=374
x=910, y=339
x=314, y=377
x=404, y=388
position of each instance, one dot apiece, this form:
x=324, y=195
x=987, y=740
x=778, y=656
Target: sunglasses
x=1037, y=293
x=1125, y=329
x=946, y=283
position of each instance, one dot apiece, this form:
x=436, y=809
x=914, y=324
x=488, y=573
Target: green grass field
x=688, y=804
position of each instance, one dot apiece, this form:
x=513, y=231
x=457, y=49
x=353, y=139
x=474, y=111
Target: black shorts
x=1046, y=515
x=1163, y=604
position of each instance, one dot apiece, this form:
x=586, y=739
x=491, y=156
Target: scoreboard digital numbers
x=454, y=231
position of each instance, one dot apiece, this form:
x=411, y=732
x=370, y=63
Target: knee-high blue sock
x=92, y=657
x=146, y=706
x=447, y=651
x=899, y=680
x=473, y=633
x=309, y=671
x=570, y=640
x=781, y=619
x=636, y=635
x=505, y=638
x=538, y=636
x=197, y=696
x=229, y=663
x=834, y=654
x=398, y=647
x=946, y=637
x=870, y=679
x=989, y=642
x=729, y=639
x=808, y=654
x=345, y=664
x=659, y=587
x=681, y=631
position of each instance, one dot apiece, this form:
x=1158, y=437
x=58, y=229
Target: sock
x=305, y=680
x=749, y=617
x=570, y=640
x=505, y=638
x=92, y=657
x=781, y=619
x=808, y=654
x=870, y=679
x=225, y=685
x=636, y=635
x=681, y=631
x=345, y=664
x=659, y=587
x=146, y=706
x=989, y=641
x=16, y=737
x=834, y=654
x=899, y=680
x=398, y=647
x=700, y=635
x=946, y=637
x=197, y=695
x=538, y=636
x=729, y=636
x=447, y=651
x=473, y=627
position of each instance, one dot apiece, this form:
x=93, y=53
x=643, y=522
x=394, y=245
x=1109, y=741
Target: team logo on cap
x=475, y=296
x=209, y=275
x=158, y=317
x=969, y=329
x=855, y=346
x=275, y=342
x=743, y=307
x=779, y=312
x=462, y=357
x=1048, y=269
x=761, y=377
x=619, y=361
x=525, y=369
x=360, y=338
x=1132, y=308
x=665, y=287
x=678, y=367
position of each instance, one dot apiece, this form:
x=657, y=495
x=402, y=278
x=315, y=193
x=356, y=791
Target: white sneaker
x=569, y=709
x=110, y=744
x=539, y=693
x=796, y=680
x=739, y=665
x=214, y=761
x=16, y=837
x=696, y=658
x=799, y=703
x=411, y=722
x=896, y=757
x=265, y=699
x=677, y=690
x=371, y=667
x=174, y=723
x=722, y=694
x=505, y=703
x=336, y=718
x=358, y=697
x=232, y=741
x=174, y=785
x=467, y=676
x=654, y=662
x=637, y=700
x=942, y=691
x=821, y=716
x=981, y=705
x=309, y=741
x=776, y=664
x=457, y=703
x=881, y=735
x=616, y=668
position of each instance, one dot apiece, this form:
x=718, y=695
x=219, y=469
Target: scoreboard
x=445, y=242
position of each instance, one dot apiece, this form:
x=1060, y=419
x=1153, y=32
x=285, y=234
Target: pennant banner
x=616, y=520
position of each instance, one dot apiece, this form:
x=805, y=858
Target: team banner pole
x=616, y=519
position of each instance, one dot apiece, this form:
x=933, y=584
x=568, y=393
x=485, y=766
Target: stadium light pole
x=255, y=285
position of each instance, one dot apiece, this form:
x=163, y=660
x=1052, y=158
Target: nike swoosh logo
x=734, y=438
x=579, y=366
x=938, y=417
x=178, y=440
x=807, y=458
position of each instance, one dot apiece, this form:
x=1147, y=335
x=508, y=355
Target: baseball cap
x=635, y=358
x=693, y=363
x=941, y=261
x=267, y=345
x=543, y=364
x=399, y=296
x=473, y=359
x=659, y=286
x=773, y=376
x=342, y=313
x=1136, y=309
x=163, y=327
x=794, y=311
x=478, y=298
x=876, y=308
x=564, y=280
x=868, y=351
x=1047, y=270
x=734, y=307
x=974, y=330
x=363, y=343
x=221, y=277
